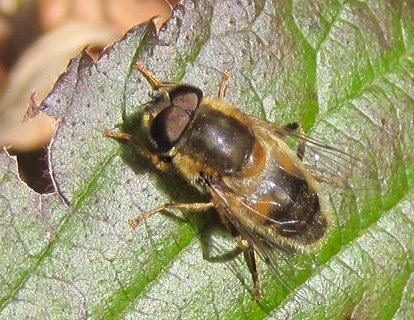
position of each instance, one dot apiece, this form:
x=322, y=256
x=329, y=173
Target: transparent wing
x=327, y=163
x=279, y=259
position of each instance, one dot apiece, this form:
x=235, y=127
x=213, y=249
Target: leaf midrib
x=78, y=204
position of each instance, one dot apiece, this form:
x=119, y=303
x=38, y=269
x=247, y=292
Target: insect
x=259, y=186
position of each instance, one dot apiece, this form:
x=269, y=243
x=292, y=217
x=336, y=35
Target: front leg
x=158, y=162
x=223, y=85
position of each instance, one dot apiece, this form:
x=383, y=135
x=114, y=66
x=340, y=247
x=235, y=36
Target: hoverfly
x=261, y=189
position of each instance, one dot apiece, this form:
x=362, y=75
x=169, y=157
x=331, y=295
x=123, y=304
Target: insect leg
x=120, y=136
x=338, y=182
x=250, y=256
x=296, y=126
x=139, y=148
x=300, y=152
x=197, y=207
x=251, y=259
x=152, y=79
x=224, y=82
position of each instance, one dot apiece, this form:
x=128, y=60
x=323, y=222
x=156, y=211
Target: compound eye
x=167, y=127
x=186, y=97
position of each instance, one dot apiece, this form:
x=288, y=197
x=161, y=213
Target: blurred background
x=37, y=40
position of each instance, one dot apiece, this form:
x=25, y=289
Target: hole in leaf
x=34, y=170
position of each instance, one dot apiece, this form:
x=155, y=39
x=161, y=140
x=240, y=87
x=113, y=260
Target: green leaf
x=343, y=69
